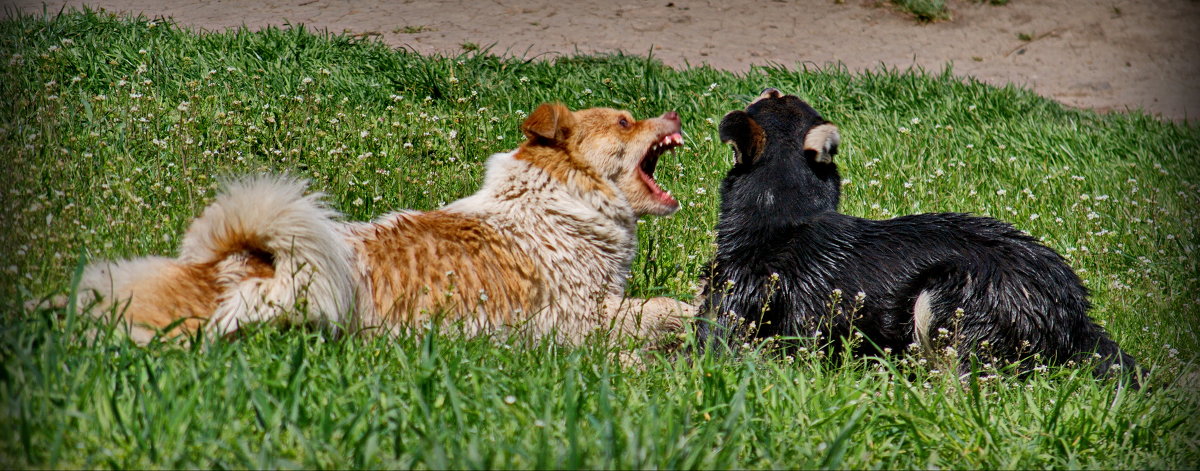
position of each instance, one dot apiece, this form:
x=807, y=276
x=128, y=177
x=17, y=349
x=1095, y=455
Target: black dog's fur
x=782, y=249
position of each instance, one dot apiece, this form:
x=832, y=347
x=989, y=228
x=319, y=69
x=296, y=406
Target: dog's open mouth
x=650, y=162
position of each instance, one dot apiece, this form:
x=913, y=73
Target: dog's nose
x=671, y=116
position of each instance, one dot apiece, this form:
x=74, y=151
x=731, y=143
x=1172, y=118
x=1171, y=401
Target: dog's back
x=442, y=264
x=912, y=267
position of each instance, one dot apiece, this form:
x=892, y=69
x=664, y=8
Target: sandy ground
x=1105, y=55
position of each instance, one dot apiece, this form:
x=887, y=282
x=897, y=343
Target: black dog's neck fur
x=784, y=196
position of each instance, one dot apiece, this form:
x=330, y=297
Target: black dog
x=783, y=250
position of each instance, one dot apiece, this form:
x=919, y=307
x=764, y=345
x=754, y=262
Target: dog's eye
x=623, y=122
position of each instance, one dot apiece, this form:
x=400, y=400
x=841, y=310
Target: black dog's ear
x=821, y=143
x=550, y=121
x=746, y=136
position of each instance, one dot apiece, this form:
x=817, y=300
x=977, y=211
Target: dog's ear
x=747, y=136
x=821, y=143
x=550, y=121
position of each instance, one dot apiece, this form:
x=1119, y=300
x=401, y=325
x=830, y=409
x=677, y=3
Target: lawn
x=116, y=131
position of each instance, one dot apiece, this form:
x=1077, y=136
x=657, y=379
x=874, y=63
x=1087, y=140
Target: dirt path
x=1105, y=55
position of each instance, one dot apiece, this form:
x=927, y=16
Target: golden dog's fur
x=543, y=248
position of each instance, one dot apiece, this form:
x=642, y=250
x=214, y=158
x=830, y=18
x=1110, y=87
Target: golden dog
x=543, y=248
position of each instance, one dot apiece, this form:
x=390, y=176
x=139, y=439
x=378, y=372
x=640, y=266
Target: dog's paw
x=666, y=316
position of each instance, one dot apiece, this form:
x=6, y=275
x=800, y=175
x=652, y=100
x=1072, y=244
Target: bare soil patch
x=1104, y=55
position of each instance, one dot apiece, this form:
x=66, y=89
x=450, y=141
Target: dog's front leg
x=649, y=319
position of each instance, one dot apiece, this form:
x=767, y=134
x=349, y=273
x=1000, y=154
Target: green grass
x=924, y=10
x=116, y=131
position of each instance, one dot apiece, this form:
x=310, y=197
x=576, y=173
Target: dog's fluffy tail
x=271, y=217
x=262, y=250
